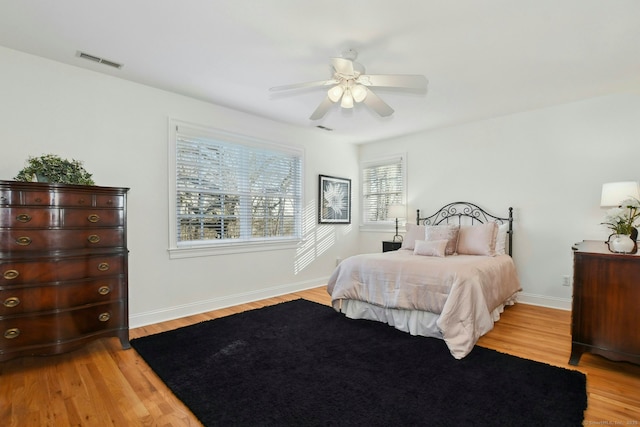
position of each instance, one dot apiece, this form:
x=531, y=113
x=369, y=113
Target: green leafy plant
x=54, y=169
x=621, y=220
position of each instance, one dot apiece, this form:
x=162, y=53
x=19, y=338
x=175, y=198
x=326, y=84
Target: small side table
x=389, y=245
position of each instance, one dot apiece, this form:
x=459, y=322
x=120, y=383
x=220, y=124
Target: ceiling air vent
x=97, y=59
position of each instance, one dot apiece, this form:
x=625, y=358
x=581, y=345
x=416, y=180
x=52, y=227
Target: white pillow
x=478, y=239
x=444, y=232
x=501, y=239
x=430, y=248
x=414, y=232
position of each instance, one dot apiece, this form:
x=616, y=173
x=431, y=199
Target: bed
x=451, y=279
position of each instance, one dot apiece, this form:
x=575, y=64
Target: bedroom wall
x=548, y=164
x=119, y=130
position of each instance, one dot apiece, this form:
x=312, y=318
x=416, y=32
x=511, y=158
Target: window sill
x=379, y=228
x=231, y=248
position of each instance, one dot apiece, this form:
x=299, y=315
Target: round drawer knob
x=23, y=241
x=103, y=317
x=10, y=274
x=103, y=266
x=12, y=333
x=93, y=218
x=104, y=290
x=23, y=218
x=11, y=302
x=94, y=238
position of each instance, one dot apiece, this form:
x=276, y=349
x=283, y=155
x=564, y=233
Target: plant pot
x=621, y=243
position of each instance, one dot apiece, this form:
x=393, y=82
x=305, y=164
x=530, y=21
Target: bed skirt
x=414, y=322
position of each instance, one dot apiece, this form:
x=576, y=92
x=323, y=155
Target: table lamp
x=397, y=211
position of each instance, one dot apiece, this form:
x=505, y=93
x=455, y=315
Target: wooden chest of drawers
x=63, y=267
x=605, y=319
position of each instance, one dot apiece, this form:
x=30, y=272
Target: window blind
x=232, y=192
x=382, y=186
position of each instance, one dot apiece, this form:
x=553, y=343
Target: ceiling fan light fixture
x=347, y=99
x=335, y=93
x=349, y=84
x=359, y=93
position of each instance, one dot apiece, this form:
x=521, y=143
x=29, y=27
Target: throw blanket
x=468, y=292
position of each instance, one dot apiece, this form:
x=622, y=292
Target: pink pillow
x=478, y=239
x=501, y=239
x=414, y=232
x=430, y=248
x=444, y=232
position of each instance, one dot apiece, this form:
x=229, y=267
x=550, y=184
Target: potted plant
x=621, y=221
x=54, y=169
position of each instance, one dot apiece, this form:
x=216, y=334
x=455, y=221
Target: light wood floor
x=102, y=385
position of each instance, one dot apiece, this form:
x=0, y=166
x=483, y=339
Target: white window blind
x=383, y=185
x=232, y=192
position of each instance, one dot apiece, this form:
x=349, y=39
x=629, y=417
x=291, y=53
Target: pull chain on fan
x=350, y=85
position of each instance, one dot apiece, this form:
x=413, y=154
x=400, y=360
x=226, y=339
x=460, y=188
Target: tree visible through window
x=232, y=192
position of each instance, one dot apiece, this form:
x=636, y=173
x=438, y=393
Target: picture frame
x=334, y=204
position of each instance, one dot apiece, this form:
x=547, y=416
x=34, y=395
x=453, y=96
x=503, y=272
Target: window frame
x=226, y=246
x=386, y=224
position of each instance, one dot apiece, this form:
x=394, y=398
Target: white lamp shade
x=359, y=93
x=396, y=211
x=347, y=99
x=335, y=93
x=615, y=192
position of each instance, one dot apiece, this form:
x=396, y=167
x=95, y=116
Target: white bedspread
x=464, y=290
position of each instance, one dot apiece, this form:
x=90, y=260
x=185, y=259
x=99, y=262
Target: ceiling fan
x=350, y=84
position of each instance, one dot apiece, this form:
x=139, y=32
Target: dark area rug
x=301, y=363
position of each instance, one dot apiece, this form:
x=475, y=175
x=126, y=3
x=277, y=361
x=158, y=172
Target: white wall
x=119, y=130
x=548, y=164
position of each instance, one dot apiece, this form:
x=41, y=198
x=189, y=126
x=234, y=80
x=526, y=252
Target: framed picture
x=334, y=206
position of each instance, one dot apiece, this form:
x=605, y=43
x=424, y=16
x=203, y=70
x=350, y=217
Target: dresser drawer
x=36, y=198
x=92, y=218
x=59, y=326
x=27, y=299
x=29, y=217
x=9, y=197
x=46, y=270
x=90, y=200
x=39, y=240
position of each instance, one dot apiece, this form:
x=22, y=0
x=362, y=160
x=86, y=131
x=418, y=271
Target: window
x=231, y=191
x=383, y=184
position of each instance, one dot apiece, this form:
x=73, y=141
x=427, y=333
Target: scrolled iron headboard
x=456, y=211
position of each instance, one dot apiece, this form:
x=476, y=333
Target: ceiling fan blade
x=322, y=109
x=409, y=81
x=374, y=102
x=343, y=66
x=305, y=84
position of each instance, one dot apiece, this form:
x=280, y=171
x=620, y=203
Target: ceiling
x=482, y=58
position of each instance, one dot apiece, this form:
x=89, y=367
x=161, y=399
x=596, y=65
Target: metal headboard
x=454, y=212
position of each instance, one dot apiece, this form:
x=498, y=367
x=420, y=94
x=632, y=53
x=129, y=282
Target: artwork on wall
x=335, y=200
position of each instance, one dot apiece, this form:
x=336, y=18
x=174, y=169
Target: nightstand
x=605, y=315
x=389, y=245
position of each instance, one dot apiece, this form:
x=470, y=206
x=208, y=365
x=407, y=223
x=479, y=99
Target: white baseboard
x=176, y=312
x=545, y=301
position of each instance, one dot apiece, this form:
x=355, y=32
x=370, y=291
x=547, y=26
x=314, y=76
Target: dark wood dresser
x=63, y=267
x=605, y=317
